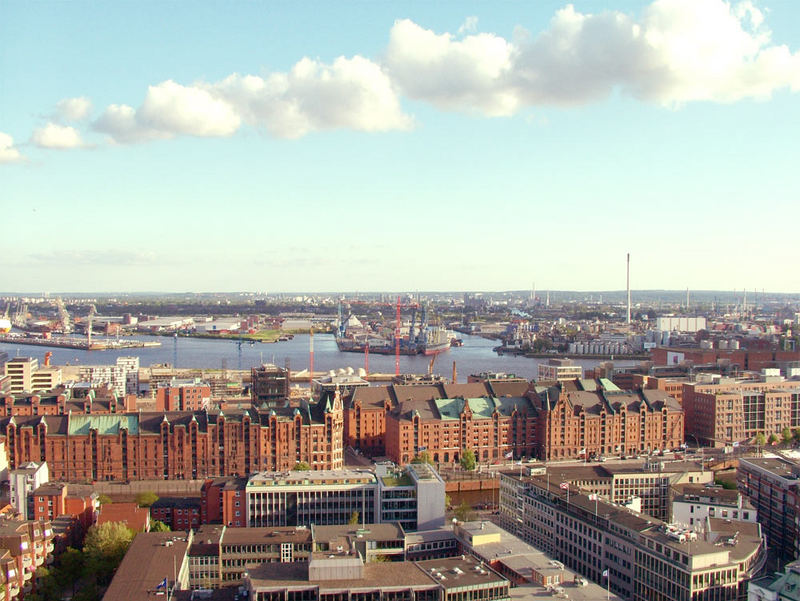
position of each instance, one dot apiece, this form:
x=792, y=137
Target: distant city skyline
x=385, y=146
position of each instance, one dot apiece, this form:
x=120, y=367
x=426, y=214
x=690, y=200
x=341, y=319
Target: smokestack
x=628, y=319
x=454, y=372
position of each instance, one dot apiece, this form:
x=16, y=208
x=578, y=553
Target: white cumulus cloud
x=8, y=152
x=470, y=25
x=673, y=52
x=74, y=109
x=469, y=73
x=56, y=136
x=678, y=51
x=170, y=109
x=352, y=93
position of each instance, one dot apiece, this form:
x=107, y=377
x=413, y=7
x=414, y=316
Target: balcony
x=27, y=561
x=49, y=547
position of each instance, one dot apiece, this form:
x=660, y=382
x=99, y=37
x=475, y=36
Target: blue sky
x=399, y=146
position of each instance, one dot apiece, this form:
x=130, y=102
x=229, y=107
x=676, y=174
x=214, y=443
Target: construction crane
x=92, y=313
x=63, y=316
x=20, y=315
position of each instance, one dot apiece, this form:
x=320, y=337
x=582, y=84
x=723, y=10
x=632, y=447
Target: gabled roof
x=500, y=388
x=373, y=396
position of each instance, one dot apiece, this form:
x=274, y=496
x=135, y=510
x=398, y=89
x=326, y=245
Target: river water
x=474, y=357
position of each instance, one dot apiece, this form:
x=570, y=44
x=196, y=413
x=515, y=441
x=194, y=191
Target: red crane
x=400, y=305
x=397, y=341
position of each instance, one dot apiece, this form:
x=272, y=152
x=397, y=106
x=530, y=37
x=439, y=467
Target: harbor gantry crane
x=63, y=316
x=92, y=313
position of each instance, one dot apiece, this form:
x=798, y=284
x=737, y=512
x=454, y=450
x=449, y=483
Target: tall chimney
x=628, y=320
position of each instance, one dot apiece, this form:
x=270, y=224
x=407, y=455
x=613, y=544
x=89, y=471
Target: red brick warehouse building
x=501, y=419
x=177, y=445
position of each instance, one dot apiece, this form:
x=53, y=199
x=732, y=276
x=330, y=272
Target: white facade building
x=122, y=377
x=22, y=482
x=697, y=503
x=680, y=324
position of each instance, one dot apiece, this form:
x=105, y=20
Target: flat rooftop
x=402, y=575
x=313, y=478
x=374, y=532
x=255, y=536
x=774, y=465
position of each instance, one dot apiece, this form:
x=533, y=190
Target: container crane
x=92, y=313
x=63, y=316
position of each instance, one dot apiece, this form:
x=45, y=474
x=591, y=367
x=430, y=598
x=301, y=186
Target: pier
x=77, y=343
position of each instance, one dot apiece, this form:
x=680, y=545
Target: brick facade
x=176, y=445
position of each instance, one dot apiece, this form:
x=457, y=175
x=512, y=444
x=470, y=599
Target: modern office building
x=343, y=575
x=722, y=411
x=647, y=485
x=644, y=559
x=559, y=370
x=412, y=496
x=299, y=498
x=25, y=375
x=771, y=485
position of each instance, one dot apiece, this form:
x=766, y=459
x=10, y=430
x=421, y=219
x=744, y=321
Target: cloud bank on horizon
x=677, y=52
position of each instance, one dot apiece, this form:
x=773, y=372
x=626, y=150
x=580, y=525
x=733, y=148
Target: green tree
x=773, y=438
x=787, y=435
x=301, y=466
x=104, y=499
x=47, y=586
x=448, y=500
x=104, y=547
x=468, y=460
x=726, y=484
x=70, y=568
x=797, y=434
x=159, y=526
x=423, y=457
x=463, y=512
x=761, y=440
x=146, y=499
x=354, y=518
x=90, y=592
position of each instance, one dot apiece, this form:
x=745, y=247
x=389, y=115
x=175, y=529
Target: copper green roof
x=104, y=424
x=452, y=408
